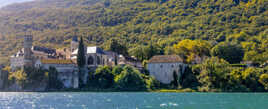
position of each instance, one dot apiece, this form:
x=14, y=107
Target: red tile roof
x=56, y=61
x=165, y=59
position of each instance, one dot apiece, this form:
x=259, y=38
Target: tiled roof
x=165, y=59
x=56, y=61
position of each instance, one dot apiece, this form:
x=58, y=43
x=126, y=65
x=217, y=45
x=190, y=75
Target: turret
x=28, y=55
x=74, y=43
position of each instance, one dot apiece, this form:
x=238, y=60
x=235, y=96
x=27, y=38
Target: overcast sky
x=7, y=2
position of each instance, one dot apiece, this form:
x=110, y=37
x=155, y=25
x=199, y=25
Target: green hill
x=136, y=22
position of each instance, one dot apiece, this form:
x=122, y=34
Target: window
x=98, y=60
x=90, y=60
x=161, y=66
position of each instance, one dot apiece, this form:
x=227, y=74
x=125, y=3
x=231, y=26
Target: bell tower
x=28, y=54
x=74, y=43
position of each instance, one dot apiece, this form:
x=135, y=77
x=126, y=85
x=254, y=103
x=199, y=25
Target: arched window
x=98, y=60
x=90, y=60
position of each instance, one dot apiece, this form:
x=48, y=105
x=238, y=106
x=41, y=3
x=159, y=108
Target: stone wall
x=16, y=62
x=163, y=72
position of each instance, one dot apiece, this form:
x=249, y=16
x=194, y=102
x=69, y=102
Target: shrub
x=130, y=80
x=264, y=80
x=103, y=77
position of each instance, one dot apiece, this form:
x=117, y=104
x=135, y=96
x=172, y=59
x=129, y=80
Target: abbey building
x=64, y=60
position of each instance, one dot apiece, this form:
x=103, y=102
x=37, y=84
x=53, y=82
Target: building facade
x=95, y=57
x=162, y=67
x=67, y=70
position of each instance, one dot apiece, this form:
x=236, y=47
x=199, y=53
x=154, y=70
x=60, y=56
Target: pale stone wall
x=163, y=72
x=60, y=67
x=67, y=73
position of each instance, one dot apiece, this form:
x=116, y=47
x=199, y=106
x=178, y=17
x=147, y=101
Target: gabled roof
x=56, y=61
x=93, y=49
x=165, y=59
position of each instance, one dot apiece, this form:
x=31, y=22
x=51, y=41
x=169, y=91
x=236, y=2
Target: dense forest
x=139, y=23
x=213, y=36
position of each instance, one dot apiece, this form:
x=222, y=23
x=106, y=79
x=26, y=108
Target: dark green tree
x=130, y=80
x=81, y=54
x=107, y=3
x=175, y=80
x=117, y=70
x=115, y=46
x=232, y=53
x=81, y=61
x=103, y=77
x=53, y=82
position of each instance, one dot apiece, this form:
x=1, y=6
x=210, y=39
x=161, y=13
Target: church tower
x=74, y=44
x=28, y=54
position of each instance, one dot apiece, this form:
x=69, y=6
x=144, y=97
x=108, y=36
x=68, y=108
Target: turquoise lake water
x=118, y=100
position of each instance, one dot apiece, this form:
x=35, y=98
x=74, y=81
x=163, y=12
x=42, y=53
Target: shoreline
x=113, y=91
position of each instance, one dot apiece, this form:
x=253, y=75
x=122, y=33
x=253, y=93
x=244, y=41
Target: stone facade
x=67, y=69
x=95, y=57
x=163, y=67
x=63, y=60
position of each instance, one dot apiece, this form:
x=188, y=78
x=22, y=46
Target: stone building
x=26, y=56
x=64, y=60
x=95, y=57
x=74, y=44
x=162, y=67
x=42, y=57
x=67, y=69
x=131, y=61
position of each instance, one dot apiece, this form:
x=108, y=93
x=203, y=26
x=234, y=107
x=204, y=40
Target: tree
x=264, y=80
x=117, y=70
x=104, y=77
x=213, y=74
x=190, y=49
x=81, y=54
x=53, y=81
x=20, y=77
x=107, y=3
x=250, y=78
x=130, y=80
x=115, y=46
x=81, y=61
x=230, y=52
x=175, y=80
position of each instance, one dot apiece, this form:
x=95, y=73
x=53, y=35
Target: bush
x=130, y=80
x=264, y=80
x=117, y=70
x=230, y=52
x=103, y=77
x=213, y=73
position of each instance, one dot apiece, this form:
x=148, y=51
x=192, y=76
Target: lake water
x=118, y=100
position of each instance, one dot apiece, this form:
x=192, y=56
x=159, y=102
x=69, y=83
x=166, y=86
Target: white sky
x=7, y=2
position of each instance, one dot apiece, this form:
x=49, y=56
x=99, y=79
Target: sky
x=7, y=2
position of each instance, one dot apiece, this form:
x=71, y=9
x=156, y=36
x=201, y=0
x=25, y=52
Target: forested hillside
x=139, y=22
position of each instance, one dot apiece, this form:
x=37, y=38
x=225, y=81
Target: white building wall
x=16, y=62
x=163, y=72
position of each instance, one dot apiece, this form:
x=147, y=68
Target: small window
x=161, y=66
x=172, y=66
